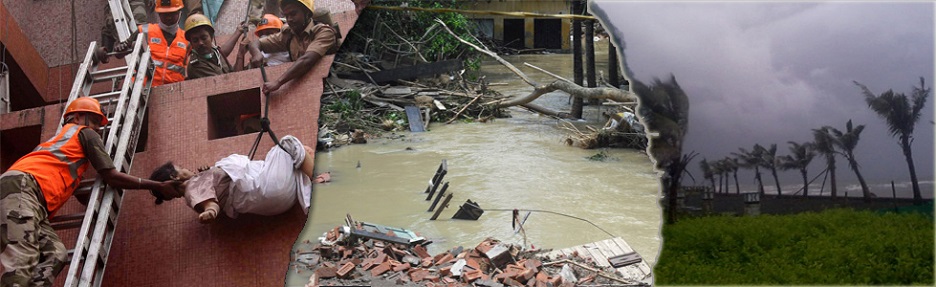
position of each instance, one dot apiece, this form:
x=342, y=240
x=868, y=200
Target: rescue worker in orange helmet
x=268, y=26
x=167, y=44
x=306, y=41
x=40, y=183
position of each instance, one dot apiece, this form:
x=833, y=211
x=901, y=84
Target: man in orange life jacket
x=167, y=44
x=40, y=183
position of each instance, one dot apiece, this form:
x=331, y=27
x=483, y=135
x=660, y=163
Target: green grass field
x=838, y=246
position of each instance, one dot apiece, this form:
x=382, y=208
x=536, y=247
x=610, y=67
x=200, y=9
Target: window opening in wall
x=514, y=31
x=235, y=113
x=22, y=93
x=17, y=142
x=547, y=33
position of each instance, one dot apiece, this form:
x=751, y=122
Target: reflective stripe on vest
x=57, y=166
x=168, y=58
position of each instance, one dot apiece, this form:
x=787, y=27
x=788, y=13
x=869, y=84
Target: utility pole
x=577, y=102
x=590, y=57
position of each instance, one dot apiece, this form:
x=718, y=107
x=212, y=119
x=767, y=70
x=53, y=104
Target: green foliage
x=839, y=246
x=347, y=106
x=380, y=25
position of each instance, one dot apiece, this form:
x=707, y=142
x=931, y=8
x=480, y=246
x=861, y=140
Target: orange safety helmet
x=88, y=105
x=167, y=6
x=269, y=21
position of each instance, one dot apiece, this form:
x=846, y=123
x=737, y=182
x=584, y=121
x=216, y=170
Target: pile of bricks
x=377, y=263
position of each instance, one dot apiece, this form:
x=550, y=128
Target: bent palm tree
x=732, y=164
x=846, y=143
x=752, y=160
x=769, y=161
x=664, y=109
x=901, y=115
x=800, y=157
x=824, y=145
x=717, y=170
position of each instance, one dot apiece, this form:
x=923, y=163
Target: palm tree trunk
x=773, y=171
x=905, y=144
x=721, y=183
x=712, y=179
x=831, y=161
x=865, y=192
x=760, y=183
x=727, y=183
x=737, y=187
x=805, y=183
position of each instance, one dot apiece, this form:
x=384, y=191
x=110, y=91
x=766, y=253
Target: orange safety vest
x=169, y=59
x=57, y=166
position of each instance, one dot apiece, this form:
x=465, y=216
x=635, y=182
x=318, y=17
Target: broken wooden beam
x=441, y=193
x=441, y=207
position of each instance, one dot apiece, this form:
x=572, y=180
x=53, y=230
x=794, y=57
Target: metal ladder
x=124, y=105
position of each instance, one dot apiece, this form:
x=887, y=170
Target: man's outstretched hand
x=170, y=189
x=270, y=87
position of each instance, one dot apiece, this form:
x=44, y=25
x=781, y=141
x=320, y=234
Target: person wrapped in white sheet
x=237, y=185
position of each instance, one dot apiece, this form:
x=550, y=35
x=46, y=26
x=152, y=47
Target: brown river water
x=511, y=163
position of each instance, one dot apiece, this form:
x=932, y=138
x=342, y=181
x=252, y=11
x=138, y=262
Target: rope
x=265, y=124
x=482, y=12
x=556, y=213
x=811, y=181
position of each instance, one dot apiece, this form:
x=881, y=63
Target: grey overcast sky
x=761, y=72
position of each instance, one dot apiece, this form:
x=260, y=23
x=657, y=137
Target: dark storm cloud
x=770, y=72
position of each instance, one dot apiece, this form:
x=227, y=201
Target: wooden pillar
x=590, y=57
x=577, y=103
x=613, y=65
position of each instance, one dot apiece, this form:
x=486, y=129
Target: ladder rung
x=111, y=70
x=108, y=77
x=105, y=95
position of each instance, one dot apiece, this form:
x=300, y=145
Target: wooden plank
x=407, y=72
x=623, y=260
x=397, y=90
x=622, y=244
x=414, y=119
x=439, y=105
x=443, y=206
x=597, y=254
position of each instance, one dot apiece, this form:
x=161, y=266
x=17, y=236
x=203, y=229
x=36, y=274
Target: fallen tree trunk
x=601, y=93
x=539, y=90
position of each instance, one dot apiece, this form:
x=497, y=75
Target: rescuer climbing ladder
x=124, y=104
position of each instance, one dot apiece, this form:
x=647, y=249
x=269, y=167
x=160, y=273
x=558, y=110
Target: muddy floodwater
x=511, y=163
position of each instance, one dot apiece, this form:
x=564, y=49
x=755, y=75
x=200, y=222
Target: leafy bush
x=839, y=246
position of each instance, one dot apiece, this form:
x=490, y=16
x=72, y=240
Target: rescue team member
x=207, y=59
x=269, y=25
x=167, y=44
x=39, y=183
x=306, y=41
x=139, y=9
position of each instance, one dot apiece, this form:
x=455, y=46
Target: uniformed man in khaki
x=305, y=40
x=205, y=58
